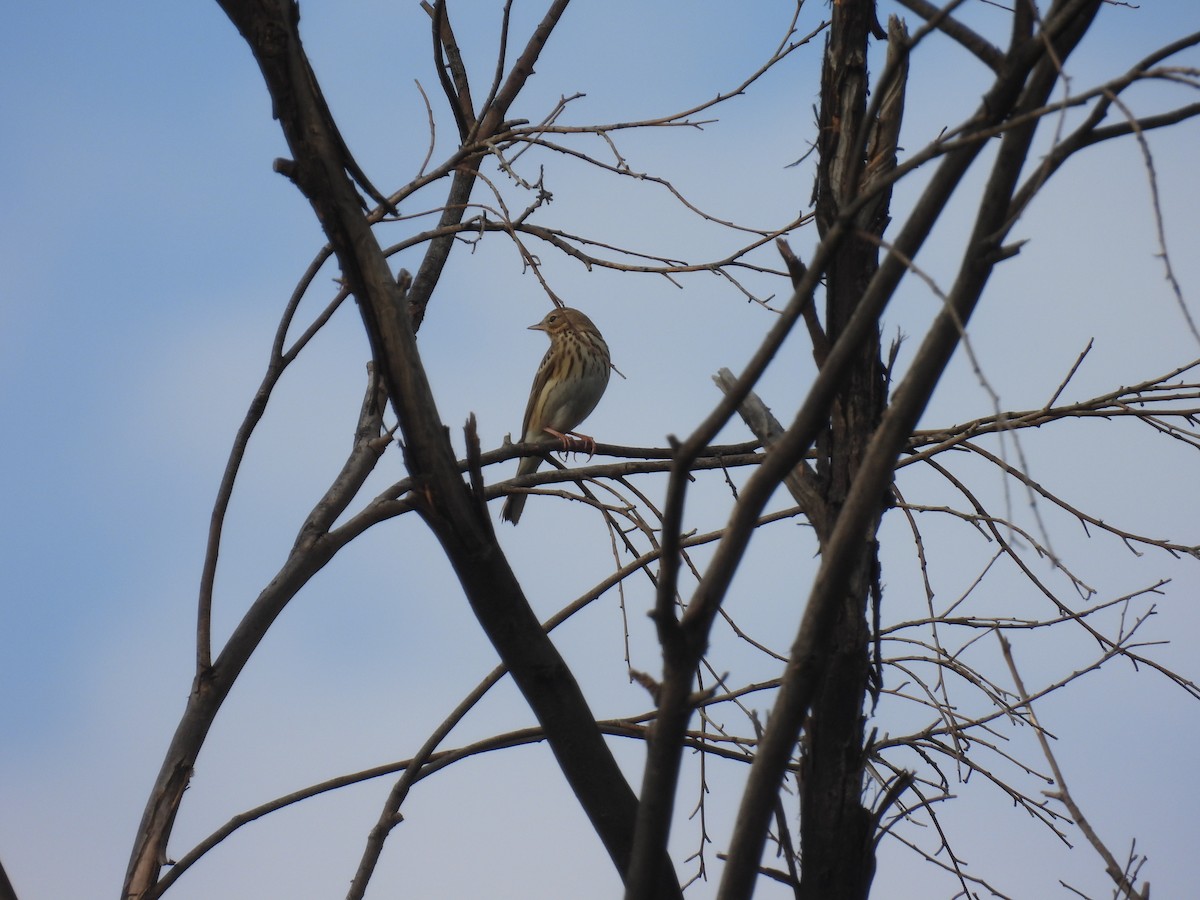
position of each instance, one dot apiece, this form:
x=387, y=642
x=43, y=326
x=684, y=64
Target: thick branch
x=320, y=170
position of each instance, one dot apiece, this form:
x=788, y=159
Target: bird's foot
x=574, y=442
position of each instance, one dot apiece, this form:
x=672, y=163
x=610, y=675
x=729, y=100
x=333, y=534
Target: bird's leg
x=566, y=441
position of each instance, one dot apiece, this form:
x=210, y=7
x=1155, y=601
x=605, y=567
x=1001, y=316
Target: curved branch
x=278, y=361
x=212, y=685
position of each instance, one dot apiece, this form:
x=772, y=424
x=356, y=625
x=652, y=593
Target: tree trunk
x=837, y=850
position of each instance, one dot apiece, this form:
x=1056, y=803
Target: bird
x=569, y=383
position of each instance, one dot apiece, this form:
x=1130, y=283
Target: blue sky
x=148, y=250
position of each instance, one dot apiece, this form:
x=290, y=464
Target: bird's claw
x=574, y=442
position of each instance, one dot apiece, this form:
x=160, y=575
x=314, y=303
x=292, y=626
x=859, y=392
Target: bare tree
x=855, y=429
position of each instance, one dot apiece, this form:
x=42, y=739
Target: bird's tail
x=514, y=504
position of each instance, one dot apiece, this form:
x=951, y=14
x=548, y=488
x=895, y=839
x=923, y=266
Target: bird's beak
x=538, y=327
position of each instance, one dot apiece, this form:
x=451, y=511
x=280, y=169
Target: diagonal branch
x=1124, y=886
x=987, y=52
x=1009, y=94
x=457, y=518
x=490, y=122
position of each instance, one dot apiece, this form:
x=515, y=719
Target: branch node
x=285, y=167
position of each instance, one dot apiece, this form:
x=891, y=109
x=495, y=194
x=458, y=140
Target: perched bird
x=568, y=385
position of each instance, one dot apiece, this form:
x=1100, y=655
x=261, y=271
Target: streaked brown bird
x=569, y=383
